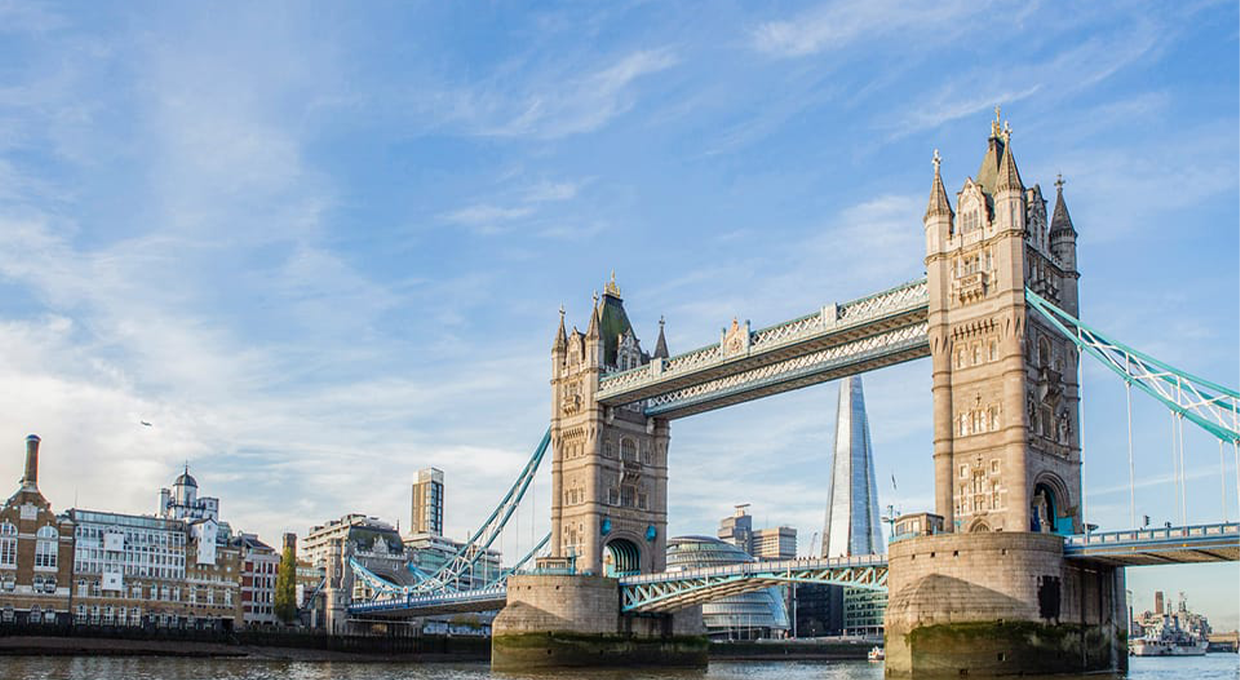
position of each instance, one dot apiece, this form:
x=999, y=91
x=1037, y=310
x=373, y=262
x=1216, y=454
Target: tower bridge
x=998, y=315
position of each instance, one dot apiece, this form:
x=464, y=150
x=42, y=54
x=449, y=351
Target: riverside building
x=36, y=553
x=259, y=565
x=178, y=570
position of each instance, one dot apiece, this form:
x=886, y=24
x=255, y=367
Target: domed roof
x=185, y=479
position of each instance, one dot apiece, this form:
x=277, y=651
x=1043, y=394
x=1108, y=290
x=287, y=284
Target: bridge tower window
x=628, y=450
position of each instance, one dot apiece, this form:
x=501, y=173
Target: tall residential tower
x=426, y=513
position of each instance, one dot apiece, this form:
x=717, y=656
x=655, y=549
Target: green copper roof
x=988, y=174
x=613, y=324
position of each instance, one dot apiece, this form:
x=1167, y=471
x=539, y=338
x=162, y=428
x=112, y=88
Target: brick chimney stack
x=31, y=479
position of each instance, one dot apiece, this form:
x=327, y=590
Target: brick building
x=36, y=552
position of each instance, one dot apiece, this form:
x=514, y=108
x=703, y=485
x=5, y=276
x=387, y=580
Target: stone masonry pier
x=1001, y=603
x=563, y=621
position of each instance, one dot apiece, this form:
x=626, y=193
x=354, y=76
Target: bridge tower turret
x=1007, y=449
x=609, y=464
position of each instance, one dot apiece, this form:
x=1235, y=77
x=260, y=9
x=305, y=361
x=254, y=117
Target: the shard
x=853, y=523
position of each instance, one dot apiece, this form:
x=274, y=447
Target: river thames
x=1210, y=667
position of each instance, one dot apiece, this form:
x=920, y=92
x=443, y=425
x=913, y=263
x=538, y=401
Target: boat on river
x=1169, y=639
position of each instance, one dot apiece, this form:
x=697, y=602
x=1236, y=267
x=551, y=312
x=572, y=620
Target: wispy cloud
x=1047, y=80
x=525, y=203
x=837, y=25
x=558, y=104
x=27, y=17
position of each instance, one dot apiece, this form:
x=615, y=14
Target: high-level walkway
x=839, y=339
x=673, y=590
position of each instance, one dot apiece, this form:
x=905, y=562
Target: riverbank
x=428, y=649
x=447, y=650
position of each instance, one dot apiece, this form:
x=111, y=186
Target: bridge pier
x=1001, y=603
x=568, y=620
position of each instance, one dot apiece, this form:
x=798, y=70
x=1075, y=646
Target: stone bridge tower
x=1007, y=450
x=609, y=464
x=994, y=595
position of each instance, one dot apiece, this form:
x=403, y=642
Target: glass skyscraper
x=853, y=524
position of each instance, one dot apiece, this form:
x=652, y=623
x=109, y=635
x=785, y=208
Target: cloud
x=555, y=104
x=486, y=215
x=1063, y=74
x=523, y=204
x=837, y=25
x=27, y=17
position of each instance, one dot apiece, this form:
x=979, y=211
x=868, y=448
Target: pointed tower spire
x=592, y=329
x=561, y=337
x=939, y=205
x=1061, y=221
x=660, y=346
x=1009, y=176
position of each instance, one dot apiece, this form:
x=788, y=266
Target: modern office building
x=738, y=529
x=819, y=609
x=853, y=525
x=759, y=614
x=776, y=543
x=36, y=552
x=426, y=511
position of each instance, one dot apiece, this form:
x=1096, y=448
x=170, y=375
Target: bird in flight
x=145, y=423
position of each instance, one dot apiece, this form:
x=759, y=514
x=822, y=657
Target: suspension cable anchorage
x=1203, y=402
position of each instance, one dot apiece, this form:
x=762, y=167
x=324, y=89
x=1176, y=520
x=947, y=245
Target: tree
x=286, y=587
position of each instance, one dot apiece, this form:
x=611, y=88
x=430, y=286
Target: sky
x=320, y=246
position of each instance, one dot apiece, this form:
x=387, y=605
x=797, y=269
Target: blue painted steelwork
x=481, y=541
x=392, y=597
x=409, y=604
x=1213, y=407
x=674, y=590
x=503, y=577
x=670, y=591
x=444, y=580
x=1164, y=545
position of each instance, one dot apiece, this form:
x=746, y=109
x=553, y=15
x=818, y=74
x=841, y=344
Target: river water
x=1209, y=667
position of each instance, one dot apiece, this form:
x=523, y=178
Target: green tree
x=286, y=587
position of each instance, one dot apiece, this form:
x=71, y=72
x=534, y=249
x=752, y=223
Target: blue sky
x=320, y=247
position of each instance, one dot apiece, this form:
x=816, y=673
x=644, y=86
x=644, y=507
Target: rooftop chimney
x=31, y=479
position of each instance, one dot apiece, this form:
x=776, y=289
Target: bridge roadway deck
x=1164, y=545
x=672, y=590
